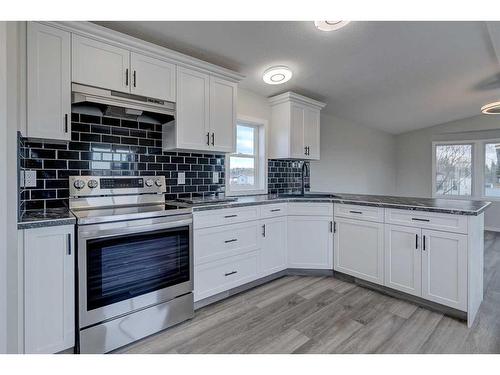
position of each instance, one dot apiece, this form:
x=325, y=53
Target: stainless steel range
x=135, y=260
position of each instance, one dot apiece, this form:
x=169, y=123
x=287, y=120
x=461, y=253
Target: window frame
x=474, y=179
x=481, y=162
x=260, y=157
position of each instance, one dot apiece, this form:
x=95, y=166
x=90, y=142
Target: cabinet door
x=312, y=133
x=310, y=242
x=48, y=82
x=444, y=268
x=152, y=77
x=222, y=114
x=273, y=248
x=297, y=148
x=192, y=120
x=403, y=259
x=359, y=249
x=49, y=289
x=101, y=65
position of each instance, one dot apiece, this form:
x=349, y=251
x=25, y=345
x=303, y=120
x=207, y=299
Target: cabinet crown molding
x=294, y=97
x=106, y=35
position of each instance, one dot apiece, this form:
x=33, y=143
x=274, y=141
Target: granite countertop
x=46, y=218
x=448, y=206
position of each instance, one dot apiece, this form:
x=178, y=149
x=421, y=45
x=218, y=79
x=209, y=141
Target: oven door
x=129, y=265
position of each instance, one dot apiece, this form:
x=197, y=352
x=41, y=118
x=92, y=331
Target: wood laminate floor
x=297, y=314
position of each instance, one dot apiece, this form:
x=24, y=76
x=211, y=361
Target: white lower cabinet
x=444, y=268
x=359, y=249
x=49, y=282
x=403, y=259
x=273, y=245
x=310, y=242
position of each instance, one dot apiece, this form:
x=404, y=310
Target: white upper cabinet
x=100, y=64
x=49, y=284
x=48, y=82
x=206, y=113
x=152, y=77
x=222, y=114
x=444, y=268
x=295, y=127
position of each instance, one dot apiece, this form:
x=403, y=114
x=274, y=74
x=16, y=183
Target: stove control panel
x=83, y=186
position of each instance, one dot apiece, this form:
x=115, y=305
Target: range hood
x=133, y=105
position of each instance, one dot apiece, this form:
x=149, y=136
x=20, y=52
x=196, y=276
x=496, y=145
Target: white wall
x=253, y=105
x=414, y=157
x=3, y=187
x=354, y=159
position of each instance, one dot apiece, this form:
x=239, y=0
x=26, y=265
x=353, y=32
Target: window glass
x=492, y=170
x=242, y=171
x=453, y=169
x=245, y=138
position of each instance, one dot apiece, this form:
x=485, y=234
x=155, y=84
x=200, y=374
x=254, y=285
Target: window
x=453, y=169
x=492, y=170
x=246, y=167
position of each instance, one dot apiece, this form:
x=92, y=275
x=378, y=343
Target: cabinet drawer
x=310, y=209
x=215, y=243
x=225, y=216
x=219, y=276
x=273, y=210
x=359, y=212
x=428, y=220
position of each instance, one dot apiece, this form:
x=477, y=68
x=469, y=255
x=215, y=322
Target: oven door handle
x=96, y=232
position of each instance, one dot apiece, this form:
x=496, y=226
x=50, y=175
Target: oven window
x=123, y=267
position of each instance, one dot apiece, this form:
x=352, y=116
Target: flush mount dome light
x=330, y=25
x=277, y=75
x=491, y=108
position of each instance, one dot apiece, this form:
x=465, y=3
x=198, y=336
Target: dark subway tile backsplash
x=111, y=146
x=285, y=176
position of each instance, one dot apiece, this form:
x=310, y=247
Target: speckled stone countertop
x=448, y=206
x=46, y=218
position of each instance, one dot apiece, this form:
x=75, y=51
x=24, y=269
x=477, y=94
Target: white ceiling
x=393, y=76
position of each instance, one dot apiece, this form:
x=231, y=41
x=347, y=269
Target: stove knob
x=149, y=182
x=92, y=184
x=79, y=184
x=158, y=183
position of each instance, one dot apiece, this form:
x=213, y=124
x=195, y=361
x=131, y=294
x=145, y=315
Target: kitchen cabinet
x=444, y=268
x=310, y=242
x=403, y=259
x=359, y=249
x=48, y=82
x=295, y=127
x=103, y=65
x=273, y=245
x=49, y=283
x=206, y=114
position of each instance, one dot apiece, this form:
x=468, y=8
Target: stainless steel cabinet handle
x=213, y=139
x=126, y=77
x=208, y=139
x=264, y=230
x=331, y=226
x=305, y=150
x=230, y=273
x=417, y=219
x=228, y=216
x=135, y=78
x=232, y=240
x=356, y=212
x=276, y=210
x=66, y=123
x=334, y=227
x=416, y=241
x=423, y=243
x=69, y=244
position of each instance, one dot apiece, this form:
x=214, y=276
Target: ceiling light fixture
x=330, y=25
x=491, y=108
x=277, y=75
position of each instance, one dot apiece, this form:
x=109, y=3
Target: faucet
x=305, y=173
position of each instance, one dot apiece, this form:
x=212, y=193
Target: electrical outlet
x=215, y=177
x=21, y=179
x=29, y=178
x=181, y=178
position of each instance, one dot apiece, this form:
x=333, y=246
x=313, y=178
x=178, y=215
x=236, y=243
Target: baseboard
x=492, y=229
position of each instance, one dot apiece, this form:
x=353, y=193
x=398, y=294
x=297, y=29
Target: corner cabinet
x=295, y=127
x=49, y=284
x=206, y=113
x=48, y=82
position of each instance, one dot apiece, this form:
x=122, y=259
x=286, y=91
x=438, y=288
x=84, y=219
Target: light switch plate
x=181, y=178
x=29, y=178
x=215, y=177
